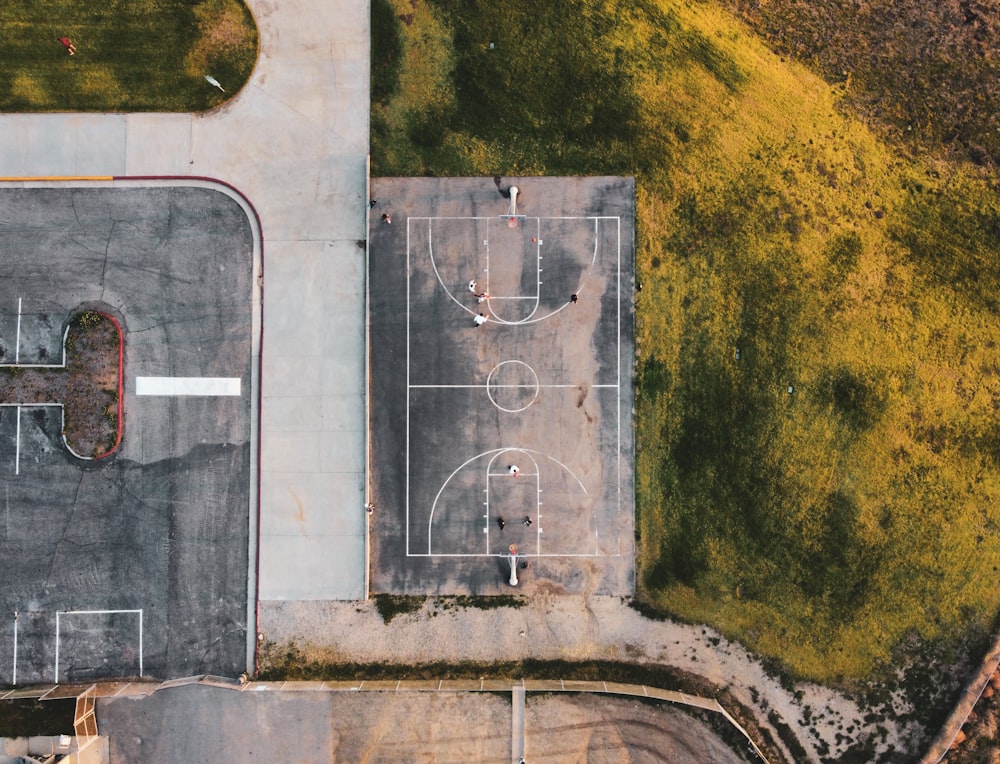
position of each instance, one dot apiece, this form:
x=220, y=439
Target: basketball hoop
x=512, y=215
x=512, y=559
x=513, y=221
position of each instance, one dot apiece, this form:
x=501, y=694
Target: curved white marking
x=524, y=321
x=489, y=394
x=496, y=452
x=507, y=451
x=437, y=274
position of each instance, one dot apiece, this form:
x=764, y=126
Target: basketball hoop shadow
x=474, y=495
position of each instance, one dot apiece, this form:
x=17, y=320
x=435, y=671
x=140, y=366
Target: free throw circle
x=512, y=386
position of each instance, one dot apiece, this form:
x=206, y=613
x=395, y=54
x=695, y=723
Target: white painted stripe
x=17, y=341
x=187, y=386
x=15, y=649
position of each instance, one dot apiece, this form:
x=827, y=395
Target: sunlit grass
x=131, y=55
x=823, y=526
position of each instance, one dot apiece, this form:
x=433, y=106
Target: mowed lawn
x=131, y=55
x=818, y=468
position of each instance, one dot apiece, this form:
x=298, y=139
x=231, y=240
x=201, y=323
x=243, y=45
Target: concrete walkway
x=295, y=143
x=517, y=722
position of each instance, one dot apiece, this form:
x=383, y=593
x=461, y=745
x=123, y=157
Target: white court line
x=175, y=386
x=529, y=319
x=494, y=453
x=534, y=217
x=490, y=474
x=597, y=219
x=407, y=502
x=481, y=554
x=431, y=387
x=14, y=679
x=17, y=342
x=17, y=447
x=437, y=274
x=538, y=280
x=620, y=404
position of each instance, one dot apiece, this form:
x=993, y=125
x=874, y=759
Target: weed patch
x=391, y=605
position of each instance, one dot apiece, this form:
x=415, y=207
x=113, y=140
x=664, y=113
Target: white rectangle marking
x=187, y=386
x=60, y=613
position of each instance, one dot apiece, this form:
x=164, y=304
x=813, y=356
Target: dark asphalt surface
x=162, y=525
x=545, y=384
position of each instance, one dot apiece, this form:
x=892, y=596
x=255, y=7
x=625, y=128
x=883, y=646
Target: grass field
x=131, y=55
x=780, y=245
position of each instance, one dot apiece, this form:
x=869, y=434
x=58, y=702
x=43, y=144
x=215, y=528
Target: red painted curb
x=260, y=373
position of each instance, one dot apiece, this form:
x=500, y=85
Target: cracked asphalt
x=544, y=383
x=161, y=526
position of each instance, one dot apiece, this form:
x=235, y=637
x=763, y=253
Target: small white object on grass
x=214, y=82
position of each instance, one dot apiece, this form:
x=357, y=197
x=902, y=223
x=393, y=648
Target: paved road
x=181, y=724
x=295, y=143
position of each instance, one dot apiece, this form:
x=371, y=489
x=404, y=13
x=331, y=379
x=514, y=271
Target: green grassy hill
x=131, y=55
x=823, y=527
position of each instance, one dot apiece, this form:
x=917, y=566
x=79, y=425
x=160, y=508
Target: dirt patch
x=222, y=33
x=88, y=386
x=25, y=718
x=976, y=742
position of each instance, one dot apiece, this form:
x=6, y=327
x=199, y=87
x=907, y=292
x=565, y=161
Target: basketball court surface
x=501, y=326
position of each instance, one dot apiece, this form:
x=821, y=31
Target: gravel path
x=572, y=628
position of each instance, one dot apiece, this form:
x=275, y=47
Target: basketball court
x=501, y=370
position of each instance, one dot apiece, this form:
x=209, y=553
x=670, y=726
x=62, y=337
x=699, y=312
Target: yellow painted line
x=58, y=178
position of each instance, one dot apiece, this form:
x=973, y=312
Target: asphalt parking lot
x=182, y=724
x=136, y=562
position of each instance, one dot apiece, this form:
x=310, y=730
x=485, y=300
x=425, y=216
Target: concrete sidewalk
x=295, y=143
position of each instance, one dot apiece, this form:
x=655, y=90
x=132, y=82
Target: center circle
x=512, y=386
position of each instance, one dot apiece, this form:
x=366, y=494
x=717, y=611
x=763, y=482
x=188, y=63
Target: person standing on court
x=514, y=470
x=480, y=319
